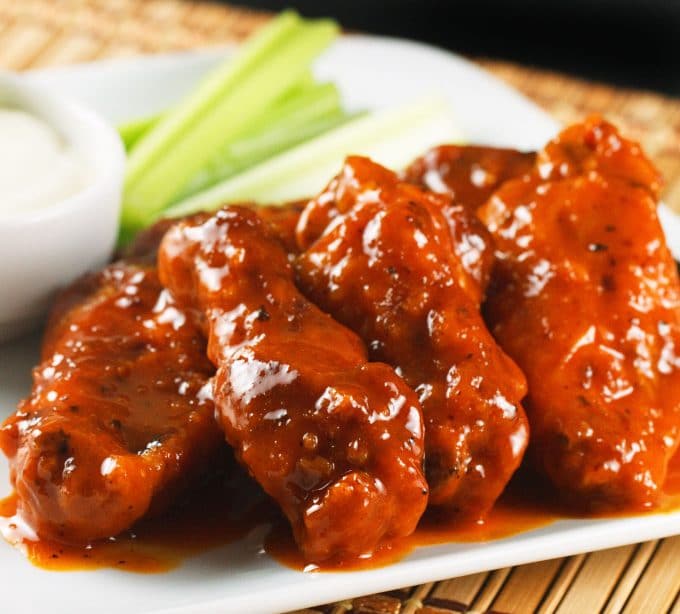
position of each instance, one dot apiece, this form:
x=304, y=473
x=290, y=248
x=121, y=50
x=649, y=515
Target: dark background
x=631, y=43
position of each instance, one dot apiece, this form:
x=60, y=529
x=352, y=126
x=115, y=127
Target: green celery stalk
x=212, y=89
x=260, y=149
x=130, y=132
x=304, y=83
x=280, y=138
x=306, y=101
x=392, y=137
x=312, y=111
x=235, y=114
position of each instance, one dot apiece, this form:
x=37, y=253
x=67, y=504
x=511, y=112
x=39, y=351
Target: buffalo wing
x=586, y=299
x=386, y=267
x=120, y=416
x=468, y=173
x=335, y=440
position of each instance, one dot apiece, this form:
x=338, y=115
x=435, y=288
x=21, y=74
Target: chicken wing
x=471, y=241
x=386, y=267
x=586, y=299
x=283, y=220
x=335, y=440
x=469, y=173
x=120, y=416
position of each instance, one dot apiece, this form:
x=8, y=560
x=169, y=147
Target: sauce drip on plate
x=210, y=518
x=218, y=512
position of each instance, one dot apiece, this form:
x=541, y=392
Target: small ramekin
x=44, y=249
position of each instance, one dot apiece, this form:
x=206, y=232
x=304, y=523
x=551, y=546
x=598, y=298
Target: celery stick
x=130, y=132
x=307, y=101
x=304, y=83
x=392, y=137
x=314, y=110
x=260, y=148
x=279, y=138
x=238, y=112
x=213, y=88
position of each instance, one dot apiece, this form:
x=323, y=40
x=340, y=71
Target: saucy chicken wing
x=586, y=299
x=469, y=173
x=282, y=219
x=471, y=241
x=386, y=267
x=120, y=416
x=335, y=440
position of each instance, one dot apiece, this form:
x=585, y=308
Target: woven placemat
x=638, y=578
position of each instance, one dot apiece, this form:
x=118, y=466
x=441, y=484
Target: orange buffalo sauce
x=514, y=513
x=214, y=515
x=217, y=515
x=672, y=485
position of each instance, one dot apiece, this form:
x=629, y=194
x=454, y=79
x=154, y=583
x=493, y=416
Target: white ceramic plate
x=372, y=72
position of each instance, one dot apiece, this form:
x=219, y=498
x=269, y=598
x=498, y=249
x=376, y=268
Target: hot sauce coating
x=586, y=299
x=120, y=415
x=469, y=173
x=471, y=241
x=335, y=440
x=282, y=219
x=386, y=267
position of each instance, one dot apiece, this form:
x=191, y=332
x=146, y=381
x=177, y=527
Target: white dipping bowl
x=45, y=249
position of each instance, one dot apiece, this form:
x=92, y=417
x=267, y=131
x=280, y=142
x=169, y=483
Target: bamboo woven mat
x=641, y=578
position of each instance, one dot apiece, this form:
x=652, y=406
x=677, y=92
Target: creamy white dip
x=37, y=168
